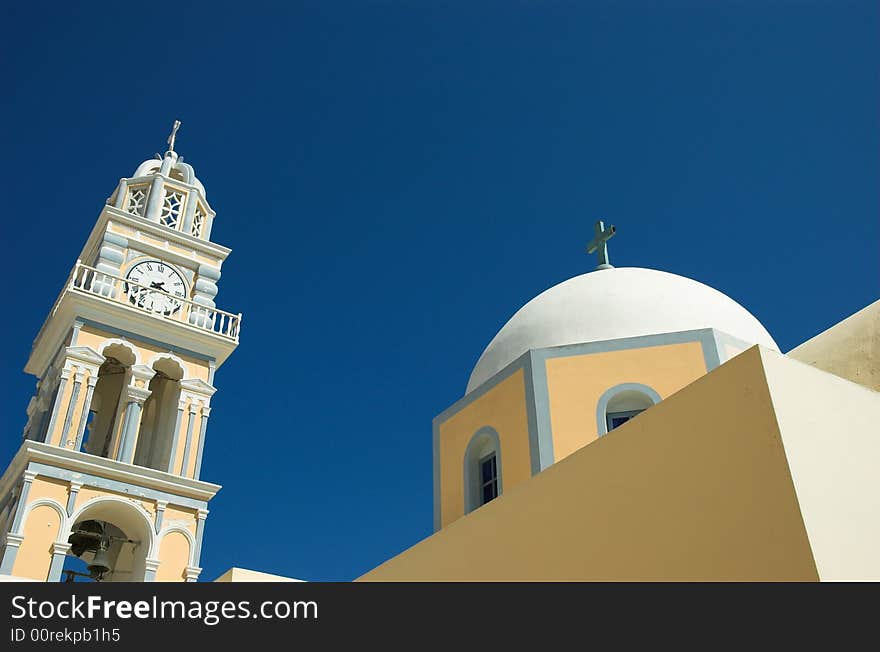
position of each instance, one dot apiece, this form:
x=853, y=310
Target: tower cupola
x=165, y=190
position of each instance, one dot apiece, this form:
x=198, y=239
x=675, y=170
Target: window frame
x=493, y=457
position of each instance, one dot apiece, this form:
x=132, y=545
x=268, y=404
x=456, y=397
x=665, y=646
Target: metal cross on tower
x=173, y=135
x=599, y=243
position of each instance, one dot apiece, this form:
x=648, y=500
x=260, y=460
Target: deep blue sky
x=395, y=179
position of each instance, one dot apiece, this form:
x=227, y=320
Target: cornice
x=64, y=458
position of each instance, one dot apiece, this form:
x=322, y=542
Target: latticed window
x=171, y=208
x=137, y=201
x=198, y=221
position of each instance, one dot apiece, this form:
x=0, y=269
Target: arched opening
x=482, y=469
x=159, y=416
x=105, y=411
x=110, y=540
x=623, y=402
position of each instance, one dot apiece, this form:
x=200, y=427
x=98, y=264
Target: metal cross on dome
x=599, y=243
x=173, y=135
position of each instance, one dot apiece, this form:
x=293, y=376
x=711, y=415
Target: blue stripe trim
x=124, y=488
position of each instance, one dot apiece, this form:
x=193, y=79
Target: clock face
x=158, y=286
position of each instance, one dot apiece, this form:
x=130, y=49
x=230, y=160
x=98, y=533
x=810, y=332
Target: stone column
x=209, y=223
x=121, y=192
x=206, y=412
x=84, y=414
x=131, y=422
x=181, y=405
x=59, y=551
x=75, y=486
x=189, y=432
x=56, y=407
x=136, y=393
x=192, y=199
x=150, y=568
x=160, y=513
x=154, y=200
x=192, y=572
x=71, y=408
x=15, y=535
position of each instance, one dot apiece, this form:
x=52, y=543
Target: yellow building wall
x=174, y=556
x=35, y=553
x=696, y=488
x=181, y=517
x=576, y=383
x=89, y=493
x=48, y=488
x=503, y=408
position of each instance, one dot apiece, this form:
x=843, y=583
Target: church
x=627, y=424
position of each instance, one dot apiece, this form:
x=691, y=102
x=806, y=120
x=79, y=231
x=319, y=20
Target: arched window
x=482, y=469
x=114, y=537
x=621, y=403
x=105, y=411
x=160, y=410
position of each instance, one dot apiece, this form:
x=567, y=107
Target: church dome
x=615, y=303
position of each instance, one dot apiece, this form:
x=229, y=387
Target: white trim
x=83, y=356
x=199, y=387
x=123, y=343
x=75, y=304
x=126, y=503
x=60, y=537
x=189, y=537
x=167, y=355
x=140, y=476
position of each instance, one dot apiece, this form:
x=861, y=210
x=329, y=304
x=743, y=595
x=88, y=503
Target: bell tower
x=107, y=482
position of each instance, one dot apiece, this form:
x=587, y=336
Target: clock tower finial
x=173, y=135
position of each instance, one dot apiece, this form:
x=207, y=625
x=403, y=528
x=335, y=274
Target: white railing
x=134, y=295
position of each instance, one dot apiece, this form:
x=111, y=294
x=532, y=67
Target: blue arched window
x=482, y=469
x=621, y=403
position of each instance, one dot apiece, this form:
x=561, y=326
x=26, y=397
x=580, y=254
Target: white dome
x=614, y=303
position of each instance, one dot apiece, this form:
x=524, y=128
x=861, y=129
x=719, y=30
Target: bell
x=86, y=537
x=100, y=564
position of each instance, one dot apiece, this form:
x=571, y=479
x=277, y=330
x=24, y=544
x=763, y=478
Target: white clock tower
x=109, y=469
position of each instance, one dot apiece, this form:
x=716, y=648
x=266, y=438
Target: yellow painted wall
x=503, y=408
x=48, y=488
x=244, y=575
x=35, y=554
x=576, y=383
x=182, y=517
x=174, y=556
x=88, y=493
x=696, y=488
